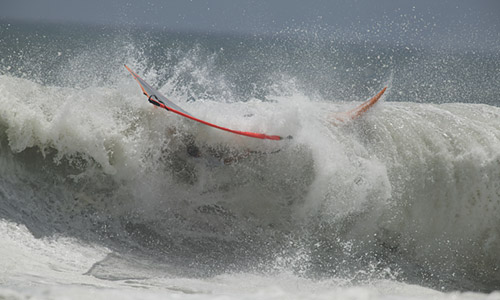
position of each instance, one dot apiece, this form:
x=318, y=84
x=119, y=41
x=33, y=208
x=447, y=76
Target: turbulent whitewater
x=101, y=192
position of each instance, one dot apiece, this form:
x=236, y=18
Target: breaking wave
x=408, y=192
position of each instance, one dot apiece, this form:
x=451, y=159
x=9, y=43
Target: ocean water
x=100, y=198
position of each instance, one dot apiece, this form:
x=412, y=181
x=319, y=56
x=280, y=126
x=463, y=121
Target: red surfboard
x=360, y=109
x=156, y=98
x=159, y=100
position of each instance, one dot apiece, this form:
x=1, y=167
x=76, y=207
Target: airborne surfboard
x=157, y=99
x=358, y=110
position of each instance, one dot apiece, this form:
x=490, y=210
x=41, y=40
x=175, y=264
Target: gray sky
x=473, y=21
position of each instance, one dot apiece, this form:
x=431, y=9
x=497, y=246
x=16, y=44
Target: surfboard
x=360, y=109
x=156, y=98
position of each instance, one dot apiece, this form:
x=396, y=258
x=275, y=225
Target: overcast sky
x=473, y=21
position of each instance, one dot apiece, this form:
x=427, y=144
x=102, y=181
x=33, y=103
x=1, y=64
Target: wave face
x=410, y=192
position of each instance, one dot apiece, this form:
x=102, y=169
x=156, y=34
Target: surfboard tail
x=359, y=110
